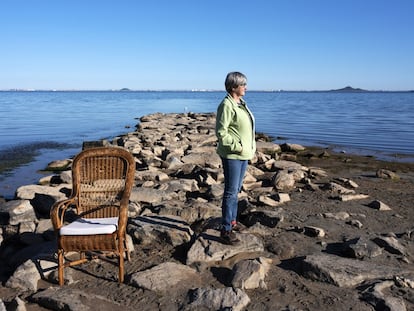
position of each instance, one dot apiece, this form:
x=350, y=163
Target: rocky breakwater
x=311, y=239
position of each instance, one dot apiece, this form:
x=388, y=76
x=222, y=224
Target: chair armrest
x=58, y=210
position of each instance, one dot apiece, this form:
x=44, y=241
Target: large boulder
x=208, y=249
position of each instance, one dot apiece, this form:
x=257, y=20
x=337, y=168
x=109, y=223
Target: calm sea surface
x=53, y=125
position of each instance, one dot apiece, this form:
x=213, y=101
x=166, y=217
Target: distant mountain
x=349, y=89
x=125, y=89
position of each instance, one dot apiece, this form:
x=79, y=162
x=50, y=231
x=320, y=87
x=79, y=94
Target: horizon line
x=125, y=89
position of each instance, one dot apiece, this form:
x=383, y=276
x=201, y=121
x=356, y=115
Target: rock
x=324, y=154
x=161, y=177
x=379, y=206
x=391, y=245
x=150, y=195
x=193, y=211
x=134, y=209
x=32, y=252
x=218, y=299
x=186, y=185
x=310, y=185
x=66, y=298
x=345, y=272
x=281, y=248
x=68, y=277
x=298, y=175
x=355, y=223
x=268, y=147
x=269, y=163
x=208, y=250
x=267, y=200
x=16, y=304
x=351, y=197
x=288, y=157
x=203, y=159
x=28, y=192
x=147, y=229
x=47, y=180
x=43, y=226
x=289, y=166
x=337, y=216
x=20, y=211
x=258, y=230
x=132, y=143
x=43, y=197
x=254, y=171
x=404, y=282
x=166, y=277
x=94, y=143
x=282, y=197
x=25, y=277
x=269, y=218
x=284, y=181
x=146, y=175
x=173, y=163
x=348, y=182
x=59, y=165
x=292, y=147
x=376, y=297
x=387, y=174
x=362, y=248
x=251, y=274
x=337, y=188
x=249, y=178
x=252, y=186
x=317, y=172
x=314, y=231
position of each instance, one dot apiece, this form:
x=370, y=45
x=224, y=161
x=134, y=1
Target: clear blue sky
x=192, y=44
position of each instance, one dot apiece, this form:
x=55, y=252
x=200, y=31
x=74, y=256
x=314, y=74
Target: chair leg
x=121, y=267
x=126, y=250
x=60, y=267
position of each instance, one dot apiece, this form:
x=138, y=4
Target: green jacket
x=235, y=130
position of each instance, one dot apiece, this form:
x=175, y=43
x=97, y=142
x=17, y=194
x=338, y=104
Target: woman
x=235, y=131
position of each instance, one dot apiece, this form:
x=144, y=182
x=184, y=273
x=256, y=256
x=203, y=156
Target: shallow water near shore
x=373, y=124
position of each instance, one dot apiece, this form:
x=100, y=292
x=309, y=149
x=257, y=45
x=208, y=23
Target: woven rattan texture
x=101, y=182
x=76, y=243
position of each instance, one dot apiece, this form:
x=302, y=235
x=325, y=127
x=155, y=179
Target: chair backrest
x=102, y=178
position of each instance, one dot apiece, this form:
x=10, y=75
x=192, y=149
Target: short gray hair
x=234, y=79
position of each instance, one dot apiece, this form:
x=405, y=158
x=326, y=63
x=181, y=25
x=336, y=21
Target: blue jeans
x=234, y=171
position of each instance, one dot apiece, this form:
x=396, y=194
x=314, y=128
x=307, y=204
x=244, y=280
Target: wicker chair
x=102, y=181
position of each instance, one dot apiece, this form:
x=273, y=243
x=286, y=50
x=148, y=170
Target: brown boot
x=229, y=237
x=237, y=226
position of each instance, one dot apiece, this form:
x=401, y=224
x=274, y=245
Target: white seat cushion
x=85, y=226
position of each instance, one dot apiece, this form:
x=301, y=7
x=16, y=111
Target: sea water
x=54, y=124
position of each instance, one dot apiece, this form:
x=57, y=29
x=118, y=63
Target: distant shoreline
x=343, y=90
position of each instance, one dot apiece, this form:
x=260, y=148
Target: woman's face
x=240, y=90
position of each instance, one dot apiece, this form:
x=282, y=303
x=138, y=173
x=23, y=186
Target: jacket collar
x=242, y=101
